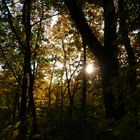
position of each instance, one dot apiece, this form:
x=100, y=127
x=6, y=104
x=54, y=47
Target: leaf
x=17, y=124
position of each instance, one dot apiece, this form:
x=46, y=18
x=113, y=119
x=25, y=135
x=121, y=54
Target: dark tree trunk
x=27, y=61
x=16, y=104
x=50, y=85
x=131, y=73
x=71, y=102
x=22, y=112
x=71, y=97
x=31, y=101
x=71, y=108
x=126, y=42
x=23, y=97
x=110, y=65
x=84, y=85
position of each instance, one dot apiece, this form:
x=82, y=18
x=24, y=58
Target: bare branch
x=13, y=28
x=42, y=19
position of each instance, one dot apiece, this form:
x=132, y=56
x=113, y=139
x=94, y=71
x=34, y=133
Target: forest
x=69, y=69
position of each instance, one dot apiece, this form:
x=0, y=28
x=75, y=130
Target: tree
x=107, y=54
x=124, y=35
x=27, y=49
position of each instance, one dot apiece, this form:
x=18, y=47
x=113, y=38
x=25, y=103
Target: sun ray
x=90, y=68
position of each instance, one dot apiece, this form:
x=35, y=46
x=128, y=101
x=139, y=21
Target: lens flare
x=90, y=68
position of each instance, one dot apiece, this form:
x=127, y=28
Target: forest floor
x=56, y=124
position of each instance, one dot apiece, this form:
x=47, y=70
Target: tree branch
x=10, y=17
x=84, y=29
x=42, y=19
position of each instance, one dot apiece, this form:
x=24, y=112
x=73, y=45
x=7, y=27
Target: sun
x=90, y=68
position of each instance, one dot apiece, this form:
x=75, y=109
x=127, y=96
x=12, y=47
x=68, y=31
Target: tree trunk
x=16, y=104
x=126, y=42
x=50, y=85
x=71, y=108
x=22, y=113
x=84, y=86
x=31, y=101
